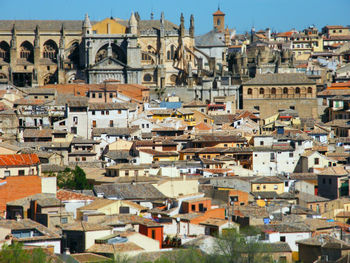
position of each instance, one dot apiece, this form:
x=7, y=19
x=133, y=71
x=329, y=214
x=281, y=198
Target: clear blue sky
x=280, y=15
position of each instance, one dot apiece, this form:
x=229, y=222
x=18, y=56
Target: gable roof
x=85, y=226
x=335, y=170
x=45, y=25
x=25, y=224
x=280, y=79
x=129, y=191
x=19, y=159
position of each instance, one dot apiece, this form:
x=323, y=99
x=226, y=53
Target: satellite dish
x=271, y=217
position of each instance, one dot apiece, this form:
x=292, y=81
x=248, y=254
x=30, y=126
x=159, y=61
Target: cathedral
x=151, y=52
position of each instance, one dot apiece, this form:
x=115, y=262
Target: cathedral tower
x=219, y=20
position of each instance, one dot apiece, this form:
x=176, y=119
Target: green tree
x=73, y=179
x=15, y=253
x=241, y=247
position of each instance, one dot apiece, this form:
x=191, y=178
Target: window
x=290, y=155
x=316, y=161
x=264, y=186
x=83, y=158
x=119, y=111
x=324, y=181
x=127, y=173
x=7, y=173
x=309, y=90
x=100, y=95
x=64, y=220
x=193, y=207
x=153, y=234
x=273, y=91
x=292, y=107
x=111, y=124
x=261, y=91
x=147, y=78
x=93, y=112
x=107, y=112
x=102, y=112
x=285, y=91
x=249, y=91
x=73, y=130
x=20, y=172
x=297, y=90
x=111, y=95
x=77, y=159
x=50, y=50
x=124, y=210
x=257, y=187
x=286, y=183
x=282, y=238
x=94, y=123
x=329, y=164
x=94, y=95
x=275, y=187
x=330, y=180
x=261, y=143
x=75, y=120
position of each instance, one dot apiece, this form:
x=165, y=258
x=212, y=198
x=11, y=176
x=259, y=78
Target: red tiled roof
x=17, y=187
x=203, y=127
x=133, y=91
x=29, y=102
x=65, y=195
x=285, y=34
x=19, y=159
x=334, y=27
x=219, y=12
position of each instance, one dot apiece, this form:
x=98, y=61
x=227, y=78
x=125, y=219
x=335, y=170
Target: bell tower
x=219, y=20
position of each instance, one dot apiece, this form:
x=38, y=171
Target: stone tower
x=133, y=24
x=87, y=25
x=219, y=21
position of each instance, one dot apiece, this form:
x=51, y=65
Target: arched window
x=147, y=78
x=168, y=55
x=249, y=91
x=50, y=50
x=117, y=53
x=146, y=58
x=4, y=51
x=273, y=91
x=297, y=90
x=74, y=53
x=261, y=91
x=218, y=22
x=285, y=90
x=26, y=51
x=309, y=90
x=171, y=53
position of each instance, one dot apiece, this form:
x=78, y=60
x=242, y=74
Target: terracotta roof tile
x=19, y=159
x=65, y=195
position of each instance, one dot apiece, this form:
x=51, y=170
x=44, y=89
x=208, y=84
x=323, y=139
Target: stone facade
x=151, y=52
x=270, y=93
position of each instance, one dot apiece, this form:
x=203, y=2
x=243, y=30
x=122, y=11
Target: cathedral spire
x=133, y=24
x=182, y=25
x=37, y=37
x=192, y=26
x=87, y=25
